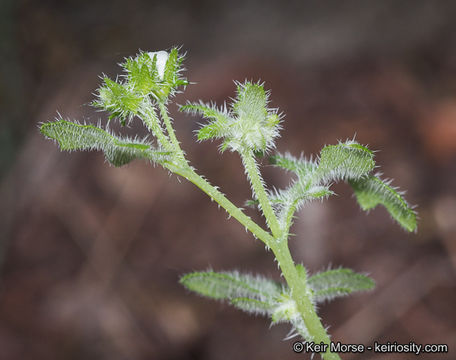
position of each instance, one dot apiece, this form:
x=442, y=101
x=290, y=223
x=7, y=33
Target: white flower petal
x=162, y=58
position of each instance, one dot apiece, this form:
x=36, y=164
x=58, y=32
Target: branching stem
x=249, y=125
x=149, y=117
x=298, y=285
x=299, y=288
x=221, y=199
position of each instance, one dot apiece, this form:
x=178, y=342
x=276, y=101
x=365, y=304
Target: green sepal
x=173, y=68
x=330, y=284
x=118, y=151
x=372, y=191
x=142, y=73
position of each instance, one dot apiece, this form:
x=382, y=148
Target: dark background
x=91, y=254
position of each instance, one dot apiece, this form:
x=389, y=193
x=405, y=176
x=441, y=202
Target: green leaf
x=330, y=284
x=300, y=167
x=118, y=99
x=118, y=151
x=215, y=129
x=301, y=190
x=347, y=161
x=253, y=294
x=231, y=285
x=344, y=161
x=371, y=191
x=253, y=306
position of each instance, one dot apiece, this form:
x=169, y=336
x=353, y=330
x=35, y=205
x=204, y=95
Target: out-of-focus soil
x=91, y=254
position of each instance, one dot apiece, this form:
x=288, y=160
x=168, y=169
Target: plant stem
x=300, y=294
x=190, y=174
x=149, y=117
x=279, y=245
x=298, y=285
x=260, y=192
x=169, y=129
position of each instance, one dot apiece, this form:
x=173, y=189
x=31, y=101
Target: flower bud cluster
x=248, y=125
x=149, y=77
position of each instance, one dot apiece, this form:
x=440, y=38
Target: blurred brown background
x=91, y=255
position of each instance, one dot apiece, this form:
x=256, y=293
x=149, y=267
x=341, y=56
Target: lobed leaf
x=118, y=151
x=330, y=284
x=372, y=191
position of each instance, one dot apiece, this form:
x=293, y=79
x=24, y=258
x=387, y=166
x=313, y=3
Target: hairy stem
x=279, y=245
x=150, y=119
x=260, y=192
x=300, y=294
x=190, y=174
x=298, y=285
x=287, y=219
x=170, y=129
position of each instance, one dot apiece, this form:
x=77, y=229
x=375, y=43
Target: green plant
x=249, y=127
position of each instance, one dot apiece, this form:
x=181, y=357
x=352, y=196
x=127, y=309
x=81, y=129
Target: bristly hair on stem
x=250, y=127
